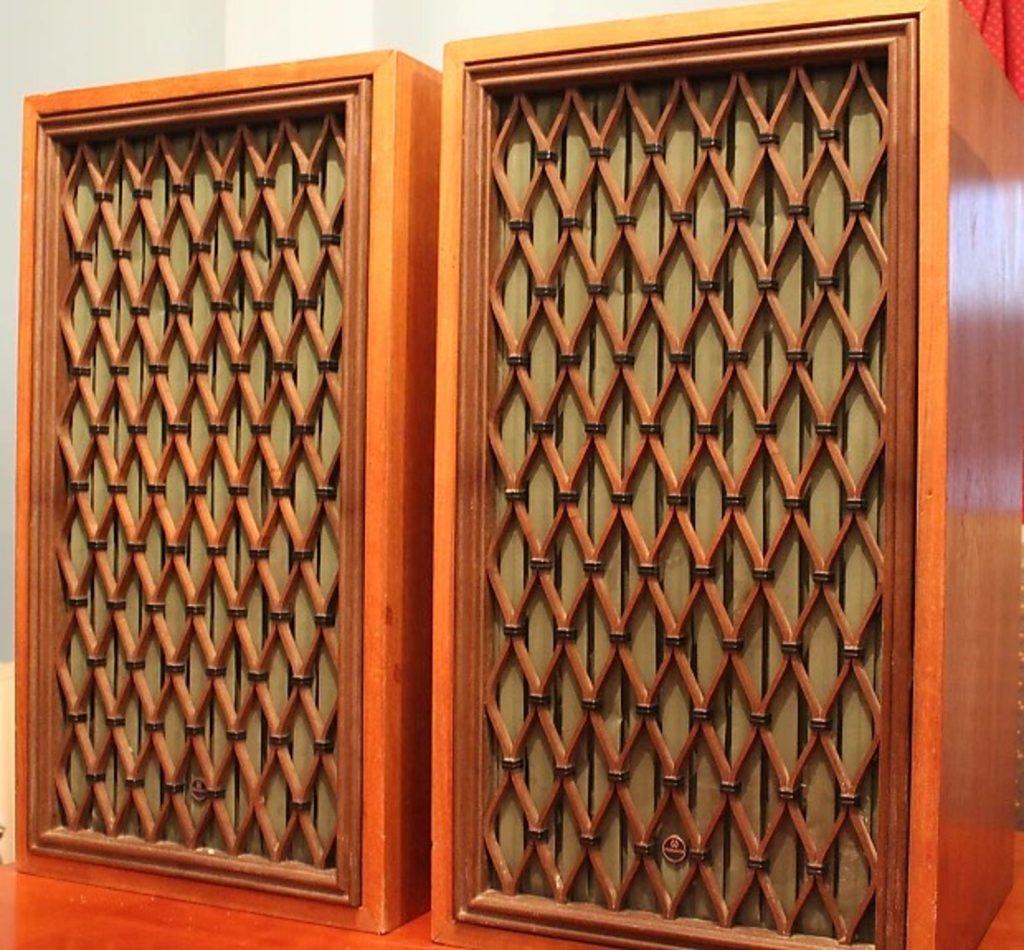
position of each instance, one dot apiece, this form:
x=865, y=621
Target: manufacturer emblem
x=674, y=849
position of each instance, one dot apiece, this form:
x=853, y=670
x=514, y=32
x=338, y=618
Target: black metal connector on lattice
x=681, y=217
x=760, y=718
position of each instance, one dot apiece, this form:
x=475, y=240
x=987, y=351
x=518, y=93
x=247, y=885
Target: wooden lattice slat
x=202, y=323
x=688, y=289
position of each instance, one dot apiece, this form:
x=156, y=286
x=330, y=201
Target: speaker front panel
x=676, y=608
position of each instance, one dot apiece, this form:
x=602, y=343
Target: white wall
x=421, y=29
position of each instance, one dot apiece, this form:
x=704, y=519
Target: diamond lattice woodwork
x=688, y=284
x=202, y=436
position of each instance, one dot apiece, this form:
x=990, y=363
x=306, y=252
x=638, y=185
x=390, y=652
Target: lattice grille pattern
x=688, y=294
x=201, y=315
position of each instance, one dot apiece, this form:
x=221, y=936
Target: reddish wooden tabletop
x=44, y=914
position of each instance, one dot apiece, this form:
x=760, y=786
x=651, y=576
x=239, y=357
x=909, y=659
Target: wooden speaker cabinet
x=224, y=493
x=729, y=419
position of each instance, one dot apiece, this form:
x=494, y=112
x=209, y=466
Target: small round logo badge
x=674, y=849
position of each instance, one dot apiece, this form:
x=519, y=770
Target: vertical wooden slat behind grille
x=200, y=438
x=688, y=298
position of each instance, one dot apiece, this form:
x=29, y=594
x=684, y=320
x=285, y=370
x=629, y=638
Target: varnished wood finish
x=40, y=913
x=959, y=703
x=391, y=742
x=968, y=569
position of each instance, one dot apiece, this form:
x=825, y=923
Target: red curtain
x=1002, y=24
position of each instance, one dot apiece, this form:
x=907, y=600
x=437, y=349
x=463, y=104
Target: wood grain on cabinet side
x=967, y=584
x=986, y=332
